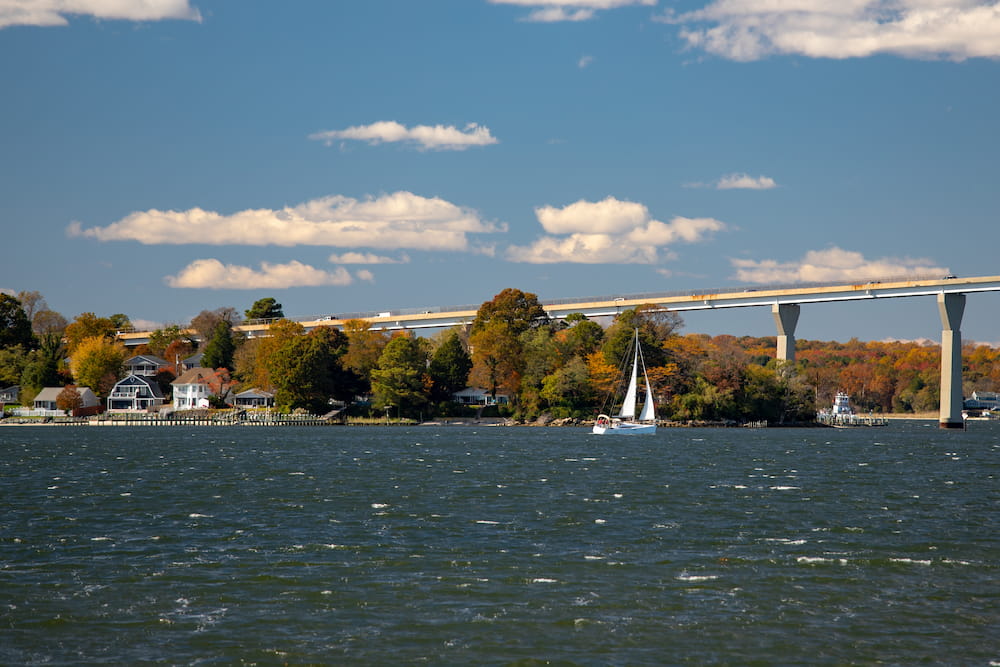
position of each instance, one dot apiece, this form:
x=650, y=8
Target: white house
x=477, y=396
x=135, y=393
x=45, y=402
x=253, y=398
x=192, y=388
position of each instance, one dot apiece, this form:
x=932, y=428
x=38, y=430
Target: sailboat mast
x=628, y=404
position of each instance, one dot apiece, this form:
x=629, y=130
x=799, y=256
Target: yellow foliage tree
x=97, y=363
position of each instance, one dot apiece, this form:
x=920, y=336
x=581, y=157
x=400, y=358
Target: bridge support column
x=952, y=307
x=786, y=316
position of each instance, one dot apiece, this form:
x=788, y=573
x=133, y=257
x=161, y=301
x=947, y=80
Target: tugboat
x=843, y=416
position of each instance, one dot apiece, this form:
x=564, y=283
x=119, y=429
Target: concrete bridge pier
x=786, y=316
x=952, y=307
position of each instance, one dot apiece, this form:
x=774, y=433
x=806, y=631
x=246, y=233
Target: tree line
x=511, y=349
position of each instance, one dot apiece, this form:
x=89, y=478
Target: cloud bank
x=393, y=221
x=213, y=274
x=832, y=264
x=610, y=231
x=746, y=30
x=54, y=12
x=552, y=11
x=426, y=137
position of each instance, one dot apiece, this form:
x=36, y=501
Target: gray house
x=135, y=393
x=145, y=365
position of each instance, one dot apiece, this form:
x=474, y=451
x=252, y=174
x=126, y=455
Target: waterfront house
x=145, y=365
x=982, y=400
x=45, y=404
x=136, y=393
x=254, y=398
x=194, y=386
x=478, y=396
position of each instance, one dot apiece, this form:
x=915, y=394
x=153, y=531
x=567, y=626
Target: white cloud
x=551, y=11
x=610, y=231
x=585, y=61
x=747, y=30
x=832, y=264
x=365, y=275
x=437, y=137
x=54, y=12
x=8, y=292
x=745, y=182
x=392, y=221
x=366, y=258
x=213, y=274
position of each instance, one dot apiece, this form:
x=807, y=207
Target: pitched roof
x=48, y=393
x=132, y=380
x=196, y=375
x=254, y=393
x=146, y=358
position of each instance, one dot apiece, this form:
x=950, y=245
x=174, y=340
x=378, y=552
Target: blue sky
x=170, y=156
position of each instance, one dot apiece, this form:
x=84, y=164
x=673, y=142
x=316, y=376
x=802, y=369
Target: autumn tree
x=255, y=358
x=32, y=302
x=365, y=348
x=48, y=321
x=97, y=363
x=88, y=325
x=69, y=399
x=264, y=309
x=401, y=379
x=519, y=310
x=496, y=358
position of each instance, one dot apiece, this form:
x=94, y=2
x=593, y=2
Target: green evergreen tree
x=15, y=327
x=401, y=379
x=264, y=309
x=449, y=368
x=221, y=348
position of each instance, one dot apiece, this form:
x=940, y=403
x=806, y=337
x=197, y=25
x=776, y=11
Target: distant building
x=982, y=400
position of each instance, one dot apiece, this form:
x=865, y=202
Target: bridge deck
x=679, y=301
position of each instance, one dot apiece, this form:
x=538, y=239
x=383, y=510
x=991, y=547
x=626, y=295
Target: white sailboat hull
x=608, y=426
x=625, y=428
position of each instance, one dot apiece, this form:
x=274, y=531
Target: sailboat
x=625, y=422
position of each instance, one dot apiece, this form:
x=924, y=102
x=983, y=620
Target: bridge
x=783, y=301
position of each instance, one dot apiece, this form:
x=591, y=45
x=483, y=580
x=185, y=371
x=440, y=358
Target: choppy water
x=500, y=546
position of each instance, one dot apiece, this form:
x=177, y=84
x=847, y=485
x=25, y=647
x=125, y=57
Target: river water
x=500, y=546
